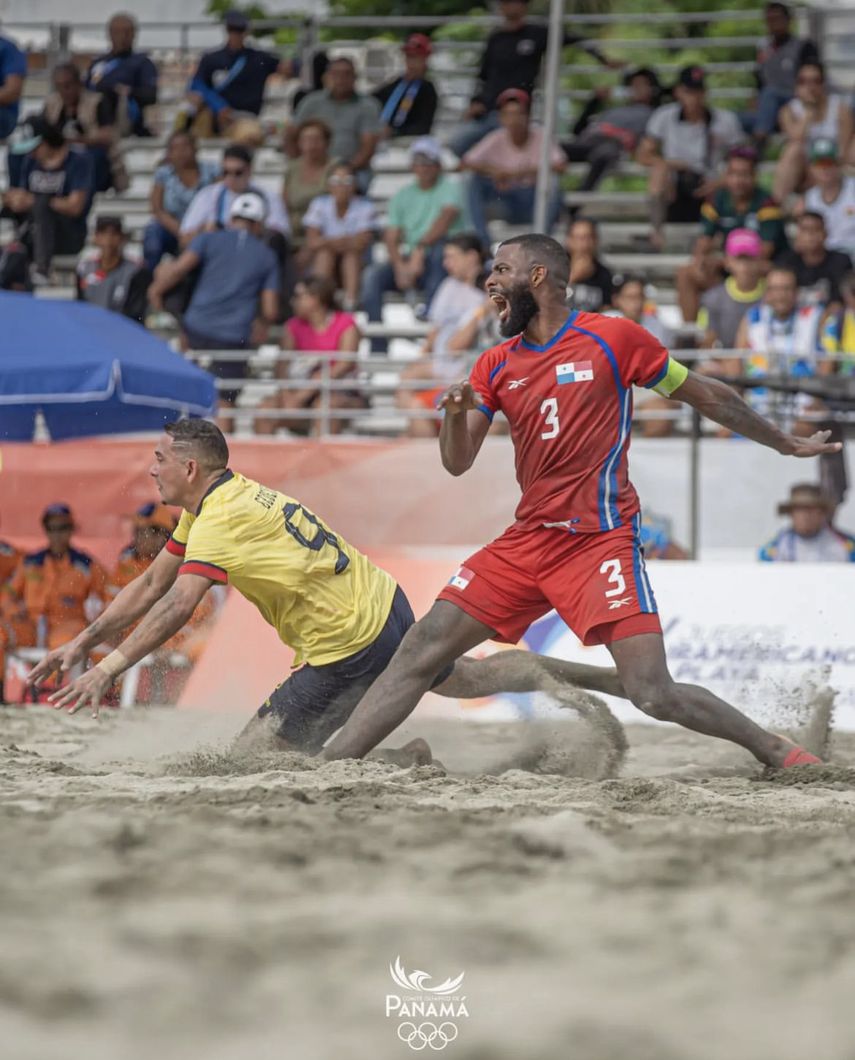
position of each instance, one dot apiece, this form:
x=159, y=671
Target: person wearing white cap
x=236, y=292
x=422, y=215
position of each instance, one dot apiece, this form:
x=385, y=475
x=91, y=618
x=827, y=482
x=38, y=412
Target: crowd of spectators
x=768, y=287
x=770, y=265
x=48, y=596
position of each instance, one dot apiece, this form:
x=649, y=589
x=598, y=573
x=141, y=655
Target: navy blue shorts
x=315, y=701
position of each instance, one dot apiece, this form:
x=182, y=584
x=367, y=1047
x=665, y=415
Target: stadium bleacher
x=621, y=208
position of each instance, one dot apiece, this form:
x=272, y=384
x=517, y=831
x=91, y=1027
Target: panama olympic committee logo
x=427, y=1014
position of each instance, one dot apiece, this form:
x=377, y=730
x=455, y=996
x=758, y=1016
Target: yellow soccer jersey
x=326, y=600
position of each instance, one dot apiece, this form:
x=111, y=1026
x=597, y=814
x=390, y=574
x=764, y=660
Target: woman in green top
x=306, y=176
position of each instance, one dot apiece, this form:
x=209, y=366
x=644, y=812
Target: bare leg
x=324, y=265
x=789, y=172
x=524, y=671
x=443, y=635
x=351, y=276
x=692, y=280
x=660, y=191
x=643, y=671
x=408, y=399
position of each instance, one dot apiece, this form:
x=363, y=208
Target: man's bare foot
x=415, y=753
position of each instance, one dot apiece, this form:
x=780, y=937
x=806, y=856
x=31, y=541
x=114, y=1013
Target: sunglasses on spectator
x=58, y=528
x=234, y=172
x=339, y=182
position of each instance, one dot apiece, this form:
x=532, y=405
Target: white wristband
x=113, y=664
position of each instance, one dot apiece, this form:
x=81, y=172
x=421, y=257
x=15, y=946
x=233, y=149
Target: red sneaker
x=799, y=757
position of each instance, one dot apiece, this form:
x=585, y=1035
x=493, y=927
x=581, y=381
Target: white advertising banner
x=755, y=634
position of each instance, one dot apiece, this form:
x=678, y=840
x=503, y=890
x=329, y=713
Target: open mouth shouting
x=503, y=307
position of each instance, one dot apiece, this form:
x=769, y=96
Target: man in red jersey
x=564, y=382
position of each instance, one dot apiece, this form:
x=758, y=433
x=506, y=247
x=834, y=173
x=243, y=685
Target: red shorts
x=596, y=582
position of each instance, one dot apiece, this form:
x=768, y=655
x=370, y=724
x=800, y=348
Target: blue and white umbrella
x=89, y=372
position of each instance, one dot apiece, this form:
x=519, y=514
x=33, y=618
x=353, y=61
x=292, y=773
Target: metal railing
x=778, y=407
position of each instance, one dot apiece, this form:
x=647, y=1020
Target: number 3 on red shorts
x=613, y=569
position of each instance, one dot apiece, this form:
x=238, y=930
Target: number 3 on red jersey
x=549, y=409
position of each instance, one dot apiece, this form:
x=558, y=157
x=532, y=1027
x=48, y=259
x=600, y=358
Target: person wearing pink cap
x=409, y=102
x=739, y=203
x=724, y=306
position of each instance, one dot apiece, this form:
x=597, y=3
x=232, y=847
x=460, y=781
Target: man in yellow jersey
x=344, y=617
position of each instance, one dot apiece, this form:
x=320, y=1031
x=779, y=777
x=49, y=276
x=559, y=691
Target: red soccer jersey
x=569, y=405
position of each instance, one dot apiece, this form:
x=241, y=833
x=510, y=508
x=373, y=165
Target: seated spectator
x=109, y=278
x=724, y=306
x=629, y=301
x=657, y=538
x=210, y=207
x=409, y=102
x=811, y=536
x=590, y=285
x=459, y=315
x=815, y=114
x=422, y=215
x=13, y=71
x=784, y=341
x=340, y=227
x=237, y=275
x=47, y=596
x=318, y=326
x=512, y=58
x=504, y=166
x=779, y=56
x=832, y=195
x=741, y=203
x=228, y=83
x=603, y=137
x=175, y=184
x=838, y=328
x=85, y=119
x=683, y=145
x=307, y=175
x=153, y=525
x=317, y=71
x=818, y=270
x=126, y=79
x=52, y=202
x=353, y=118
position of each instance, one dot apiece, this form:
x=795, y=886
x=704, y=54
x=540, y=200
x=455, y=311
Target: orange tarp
x=378, y=494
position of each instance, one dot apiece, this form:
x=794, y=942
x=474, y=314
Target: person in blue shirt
x=229, y=82
x=54, y=194
x=13, y=70
x=125, y=78
x=236, y=293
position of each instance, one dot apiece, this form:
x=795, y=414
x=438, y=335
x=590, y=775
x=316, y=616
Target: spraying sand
x=163, y=897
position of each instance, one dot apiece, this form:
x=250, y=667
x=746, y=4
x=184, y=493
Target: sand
x=161, y=898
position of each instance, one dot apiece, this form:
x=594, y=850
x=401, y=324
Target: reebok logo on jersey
x=575, y=372
x=462, y=578
x=515, y=383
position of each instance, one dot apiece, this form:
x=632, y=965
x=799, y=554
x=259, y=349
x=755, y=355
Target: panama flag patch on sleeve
x=462, y=578
x=575, y=372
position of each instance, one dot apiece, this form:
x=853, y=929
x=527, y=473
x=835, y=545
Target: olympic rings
x=427, y=1035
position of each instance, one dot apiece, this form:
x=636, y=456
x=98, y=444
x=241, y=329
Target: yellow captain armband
x=675, y=375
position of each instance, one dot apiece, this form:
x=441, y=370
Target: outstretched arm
x=167, y=616
x=134, y=600
x=464, y=427
x=720, y=403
